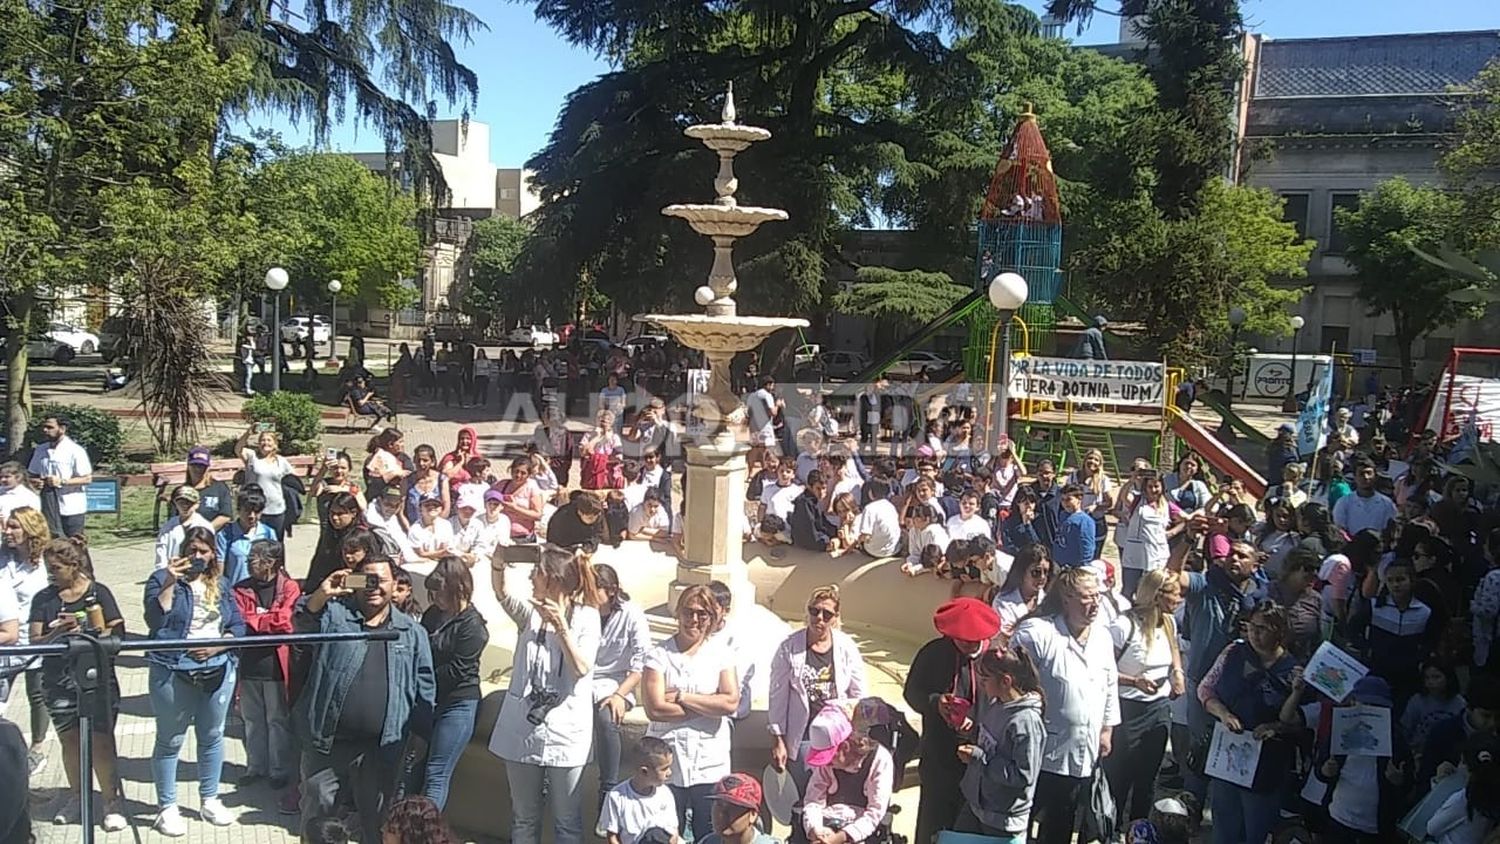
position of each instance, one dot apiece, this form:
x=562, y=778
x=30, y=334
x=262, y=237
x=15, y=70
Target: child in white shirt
x=644, y=801
x=432, y=537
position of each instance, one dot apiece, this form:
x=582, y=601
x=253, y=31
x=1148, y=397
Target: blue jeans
x=696, y=798
x=1242, y=815
x=177, y=703
x=564, y=794
x=452, y=728
x=606, y=749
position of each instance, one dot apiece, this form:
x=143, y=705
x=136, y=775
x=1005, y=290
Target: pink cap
x=828, y=730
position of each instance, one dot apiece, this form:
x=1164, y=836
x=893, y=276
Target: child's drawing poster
x=1361, y=731
x=1233, y=757
x=1333, y=672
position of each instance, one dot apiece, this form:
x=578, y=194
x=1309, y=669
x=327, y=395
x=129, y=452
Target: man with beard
x=361, y=699
x=65, y=470
x=943, y=685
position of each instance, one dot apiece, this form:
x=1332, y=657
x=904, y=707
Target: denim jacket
x=335, y=665
x=173, y=623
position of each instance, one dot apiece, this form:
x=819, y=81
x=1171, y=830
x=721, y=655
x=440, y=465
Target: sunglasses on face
x=1038, y=572
x=696, y=614
x=822, y=614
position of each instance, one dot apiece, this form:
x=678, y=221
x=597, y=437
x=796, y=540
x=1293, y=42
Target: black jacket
x=566, y=530
x=457, y=641
x=808, y=527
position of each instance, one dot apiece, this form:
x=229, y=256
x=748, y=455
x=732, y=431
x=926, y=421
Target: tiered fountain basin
x=719, y=334
x=727, y=220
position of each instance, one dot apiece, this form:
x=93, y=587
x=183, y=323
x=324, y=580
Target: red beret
x=969, y=619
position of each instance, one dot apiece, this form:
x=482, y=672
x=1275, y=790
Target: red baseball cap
x=742, y=790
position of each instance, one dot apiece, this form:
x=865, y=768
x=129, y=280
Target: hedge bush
x=297, y=417
x=98, y=431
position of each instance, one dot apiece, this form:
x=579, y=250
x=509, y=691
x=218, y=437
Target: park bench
x=166, y=476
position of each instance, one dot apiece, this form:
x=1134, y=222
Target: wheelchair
x=882, y=834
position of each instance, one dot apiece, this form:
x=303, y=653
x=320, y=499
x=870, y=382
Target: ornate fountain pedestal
x=714, y=488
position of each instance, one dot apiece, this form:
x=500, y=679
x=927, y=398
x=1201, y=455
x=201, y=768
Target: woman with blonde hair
x=545, y=728
x=24, y=573
x=813, y=666
x=265, y=467
x=1098, y=493
x=1150, y=670
x=190, y=599
x=690, y=688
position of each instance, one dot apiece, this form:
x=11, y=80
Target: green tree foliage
x=494, y=292
x=324, y=217
x=912, y=297
x=1393, y=279
x=840, y=85
x=1180, y=277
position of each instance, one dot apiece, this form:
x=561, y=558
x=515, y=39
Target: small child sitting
x=644, y=801
x=852, y=776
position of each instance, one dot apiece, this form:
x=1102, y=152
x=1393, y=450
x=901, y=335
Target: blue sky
x=526, y=71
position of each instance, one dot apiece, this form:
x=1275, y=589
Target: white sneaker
x=169, y=822
x=113, y=822
x=65, y=810
x=215, y=812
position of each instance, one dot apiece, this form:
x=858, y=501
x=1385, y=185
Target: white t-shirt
x=762, y=406
x=67, y=460
x=778, y=500
x=268, y=474
x=23, y=580
x=424, y=538
x=639, y=521
x=700, y=743
x=1139, y=660
x=18, y=496
x=628, y=813
x=882, y=524
x=634, y=494
x=205, y=622
x=169, y=540
x=917, y=540
x=960, y=528
x=1006, y=474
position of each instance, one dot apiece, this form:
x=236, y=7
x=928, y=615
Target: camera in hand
x=539, y=703
x=356, y=581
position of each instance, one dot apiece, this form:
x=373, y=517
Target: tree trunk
x=1408, y=374
x=18, y=374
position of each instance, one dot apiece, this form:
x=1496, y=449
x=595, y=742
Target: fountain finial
x=727, y=115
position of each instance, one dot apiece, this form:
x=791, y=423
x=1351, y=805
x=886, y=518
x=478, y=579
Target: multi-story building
x=1327, y=118
x=476, y=189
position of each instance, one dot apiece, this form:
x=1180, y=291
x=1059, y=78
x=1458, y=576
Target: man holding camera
x=360, y=699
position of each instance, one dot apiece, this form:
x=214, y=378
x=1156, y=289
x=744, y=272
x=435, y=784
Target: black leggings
x=1056, y=807
x=36, y=699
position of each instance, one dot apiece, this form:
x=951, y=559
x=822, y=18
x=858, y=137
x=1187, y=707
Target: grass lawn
x=131, y=525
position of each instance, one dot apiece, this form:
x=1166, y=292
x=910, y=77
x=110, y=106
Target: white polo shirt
x=880, y=521
x=67, y=460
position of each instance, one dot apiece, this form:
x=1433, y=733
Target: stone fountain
x=716, y=471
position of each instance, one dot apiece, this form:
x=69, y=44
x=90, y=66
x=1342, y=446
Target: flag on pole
x=1312, y=425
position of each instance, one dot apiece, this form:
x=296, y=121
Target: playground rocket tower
x=1020, y=230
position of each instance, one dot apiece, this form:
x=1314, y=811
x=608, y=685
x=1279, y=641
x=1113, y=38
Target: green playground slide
x=956, y=312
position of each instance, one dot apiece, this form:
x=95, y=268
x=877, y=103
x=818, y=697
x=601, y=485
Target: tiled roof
x=1428, y=63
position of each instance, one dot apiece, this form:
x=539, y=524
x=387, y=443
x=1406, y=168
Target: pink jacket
x=788, y=714
x=859, y=824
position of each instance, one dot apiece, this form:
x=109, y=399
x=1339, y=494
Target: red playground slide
x=1218, y=456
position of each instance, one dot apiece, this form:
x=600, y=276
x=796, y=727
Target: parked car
x=835, y=364
x=912, y=366
x=294, y=329
x=805, y=354
x=640, y=342
x=80, y=341
x=531, y=335
x=43, y=347
x=117, y=335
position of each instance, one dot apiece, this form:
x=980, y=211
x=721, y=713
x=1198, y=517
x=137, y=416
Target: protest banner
x=1138, y=383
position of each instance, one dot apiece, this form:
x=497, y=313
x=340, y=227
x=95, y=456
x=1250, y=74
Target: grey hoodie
x=1001, y=781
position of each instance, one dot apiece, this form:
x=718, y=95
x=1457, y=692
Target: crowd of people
x=1093, y=623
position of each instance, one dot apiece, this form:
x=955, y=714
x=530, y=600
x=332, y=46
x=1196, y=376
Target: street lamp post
x=1290, y=405
x=1008, y=293
x=276, y=281
x=333, y=317
x=1236, y=322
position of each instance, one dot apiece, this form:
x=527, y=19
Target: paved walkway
x=124, y=570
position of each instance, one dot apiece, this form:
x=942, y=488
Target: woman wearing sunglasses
x=816, y=664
